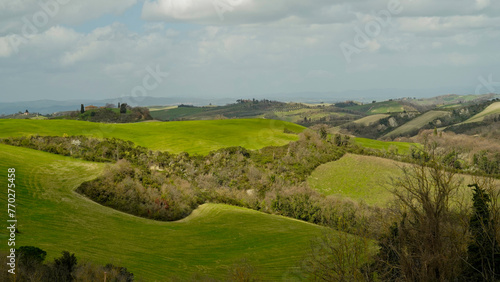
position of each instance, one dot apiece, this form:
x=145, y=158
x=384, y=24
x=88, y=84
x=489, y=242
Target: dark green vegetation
x=125, y=115
x=33, y=267
x=484, y=250
x=109, y=114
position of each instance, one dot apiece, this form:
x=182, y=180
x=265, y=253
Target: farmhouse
x=91, y=107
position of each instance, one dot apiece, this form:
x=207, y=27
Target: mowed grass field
x=368, y=179
x=417, y=123
x=370, y=119
x=490, y=110
x=361, y=178
x=402, y=147
x=380, y=107
x=172, y=113
x=54, y=218
x=194, y=137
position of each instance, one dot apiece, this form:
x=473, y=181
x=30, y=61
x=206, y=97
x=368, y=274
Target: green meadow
x=379, y=107
x=361, y=178
x=402, y=147
x=490, y=110
x=194, y=137
x=177, y=112
x=368, y=179
x=371, y=119
x=214, y=237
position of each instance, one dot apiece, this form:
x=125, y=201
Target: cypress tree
x=483, y=252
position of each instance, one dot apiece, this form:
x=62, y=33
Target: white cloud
x=5, y=47
x=481, y=4
x=320, y=74
x=245, y=11
x=47, y=13
x=259, y=47
x=458, y=59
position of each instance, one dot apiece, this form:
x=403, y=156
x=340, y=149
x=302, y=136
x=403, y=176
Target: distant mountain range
x=52, y=106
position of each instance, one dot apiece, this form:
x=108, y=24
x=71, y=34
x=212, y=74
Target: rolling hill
x=361, y=178
x=305, y=114
x=490, y=110
x=194, y=137
x=401, y=147
x=368, y=179
x=417, y=123
x=371, y=119
x=54, y=218
x=381, y=108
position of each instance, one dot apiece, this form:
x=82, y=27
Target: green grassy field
x=490, y=110
x=361, y=178
x=368, y=179
x=54, y=218
x=297, y=116
x=178, y=112
x=402, y=147
x=452, y=100
x=370, y=119
x=380, y=108
x=194, y=137
x=161, y=108
x=417, y=123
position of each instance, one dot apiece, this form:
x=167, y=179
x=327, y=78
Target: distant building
x=26, y=113
x=91, y=107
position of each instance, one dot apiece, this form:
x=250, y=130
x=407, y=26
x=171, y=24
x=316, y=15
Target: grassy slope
x=199, y=137
x=290, y=113
x=357, y=177
x=370, y=119
x=54, y=218
x=490, y=110
x=452, y=100
x=161, y=108
x=402, y=147
x=417, y=123
x=379, y=108
x=178, y=112
x=366, y=178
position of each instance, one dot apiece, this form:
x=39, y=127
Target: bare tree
x=429, y=239
x=338, y=256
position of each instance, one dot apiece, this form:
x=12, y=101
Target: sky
x=93, y=49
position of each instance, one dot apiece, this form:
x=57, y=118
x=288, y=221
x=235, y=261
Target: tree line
x=31, y=266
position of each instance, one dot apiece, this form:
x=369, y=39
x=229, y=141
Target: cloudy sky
x=74, y=49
